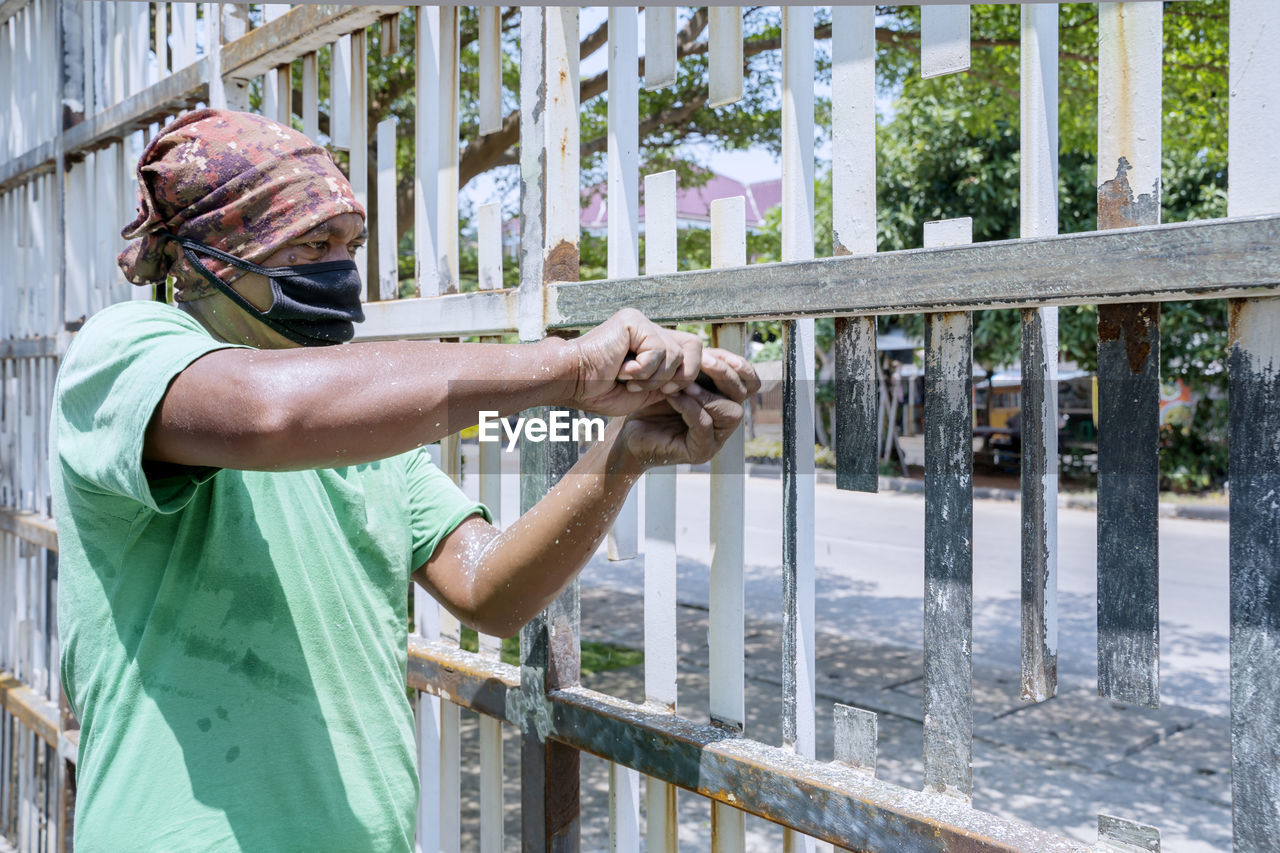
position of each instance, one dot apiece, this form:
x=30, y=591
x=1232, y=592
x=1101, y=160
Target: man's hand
x=691, y=425
x=628, y=363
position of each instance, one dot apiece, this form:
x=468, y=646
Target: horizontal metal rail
x=31, y=709
x=303, y=29
x=37, y=347
x=1198, y=260
x=36, y=529
x=483, y=312
x=833, y=802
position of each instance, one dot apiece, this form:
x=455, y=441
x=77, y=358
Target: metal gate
x=83, y=85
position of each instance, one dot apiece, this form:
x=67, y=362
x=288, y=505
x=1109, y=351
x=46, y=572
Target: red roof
x=693, y=204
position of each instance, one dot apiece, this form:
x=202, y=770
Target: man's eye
x=317, y=245
x=355, y=247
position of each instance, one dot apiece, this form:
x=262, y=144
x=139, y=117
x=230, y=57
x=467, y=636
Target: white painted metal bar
x=340, y=93
x=162, y=39
x=311, y=95
x=948, y=533
x=359, y=140
x=490, y=47
x=856, y=731
x=623, y=259
x=427, y=626
x=426, y=144
x=138, y=43
x=1254, y=437
x=726, y=618
x=944, y=39
x=853, y=219
x=660, y=555
x=450, y=714
x=489, y=252
x=212, y=52
x=184, y=38
x=623, y=211
x=1130, y=66
x=798, y=656
x=447, y=165
x=386, y=232
x=283, y=98
x=270, y=80
x=1039, y=200
x=659, y=46
x=489, y=245
x=724, y=55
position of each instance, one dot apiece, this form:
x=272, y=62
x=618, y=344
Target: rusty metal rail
x=829, y=801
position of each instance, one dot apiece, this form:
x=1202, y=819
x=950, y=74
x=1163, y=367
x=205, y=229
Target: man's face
x=335, y=239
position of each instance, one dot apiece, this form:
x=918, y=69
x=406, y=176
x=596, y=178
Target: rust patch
x=1234, y=307
x=839, y=249
x=1135, y=323
x=561, y=263
x=1119, y=208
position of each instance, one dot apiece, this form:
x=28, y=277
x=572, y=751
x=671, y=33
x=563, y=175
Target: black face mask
x=314, y=304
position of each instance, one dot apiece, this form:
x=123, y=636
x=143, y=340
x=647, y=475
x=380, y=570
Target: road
x=869, y=554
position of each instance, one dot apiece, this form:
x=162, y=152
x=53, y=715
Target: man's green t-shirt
x=233, y=642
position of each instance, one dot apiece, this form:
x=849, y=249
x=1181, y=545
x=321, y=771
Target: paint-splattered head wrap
x=234, y=181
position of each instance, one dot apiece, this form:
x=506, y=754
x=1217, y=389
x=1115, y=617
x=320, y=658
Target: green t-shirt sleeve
x=115, y=374
x=436, y=505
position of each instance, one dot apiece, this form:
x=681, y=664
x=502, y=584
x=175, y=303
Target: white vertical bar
x=724, y=55
x=212, y=52
x=340, y=93
x=426, y=151
x=1129, y=87
x=270, y=97
x=853, y=129
x=447, y=127
x=284, y=94
x=659, y=46
x=728, y=505
x=311, y=95
x=798, y=501
x=660, y=537
x=489, y=249
x=1039, y=200
x=162, y=39
x=490, y=38
x=623, y=209
x=427, y=626
x=359, y=161
x=489, y=224
x=184, y=36
x=139, y=43
x=944, y=40
x=450, y=714
x=388, y=268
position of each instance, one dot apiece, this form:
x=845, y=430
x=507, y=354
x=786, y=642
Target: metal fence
x=87, y=83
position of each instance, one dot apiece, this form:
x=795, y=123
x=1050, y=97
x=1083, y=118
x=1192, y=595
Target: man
x=240, y=508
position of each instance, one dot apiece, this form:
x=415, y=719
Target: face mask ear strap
x=230, y=292
x=188, y=245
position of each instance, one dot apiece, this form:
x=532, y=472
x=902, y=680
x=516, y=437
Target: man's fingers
x=734, y=376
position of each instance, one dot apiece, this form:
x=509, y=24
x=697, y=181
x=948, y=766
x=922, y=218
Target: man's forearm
x=521, y=570
x=292, y=409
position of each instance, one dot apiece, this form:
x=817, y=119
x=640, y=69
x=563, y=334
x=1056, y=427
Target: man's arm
x=496, y=581
x=289, y=409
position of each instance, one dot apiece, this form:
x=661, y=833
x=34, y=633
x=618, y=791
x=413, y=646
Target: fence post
x=549, y=655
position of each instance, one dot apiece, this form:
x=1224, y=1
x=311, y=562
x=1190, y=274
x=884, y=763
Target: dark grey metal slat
x=1128, y=503
x=948, y=554
x=1254, y=417
x=1039, y=647
x=857, y=467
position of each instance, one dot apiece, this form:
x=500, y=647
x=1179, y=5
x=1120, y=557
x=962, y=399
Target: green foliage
x=596, y=657
x=769, y=451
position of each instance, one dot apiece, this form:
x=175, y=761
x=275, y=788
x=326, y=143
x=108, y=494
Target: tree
x=950, y=147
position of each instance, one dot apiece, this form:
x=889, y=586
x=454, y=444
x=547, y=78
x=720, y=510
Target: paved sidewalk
x=1056, y=764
